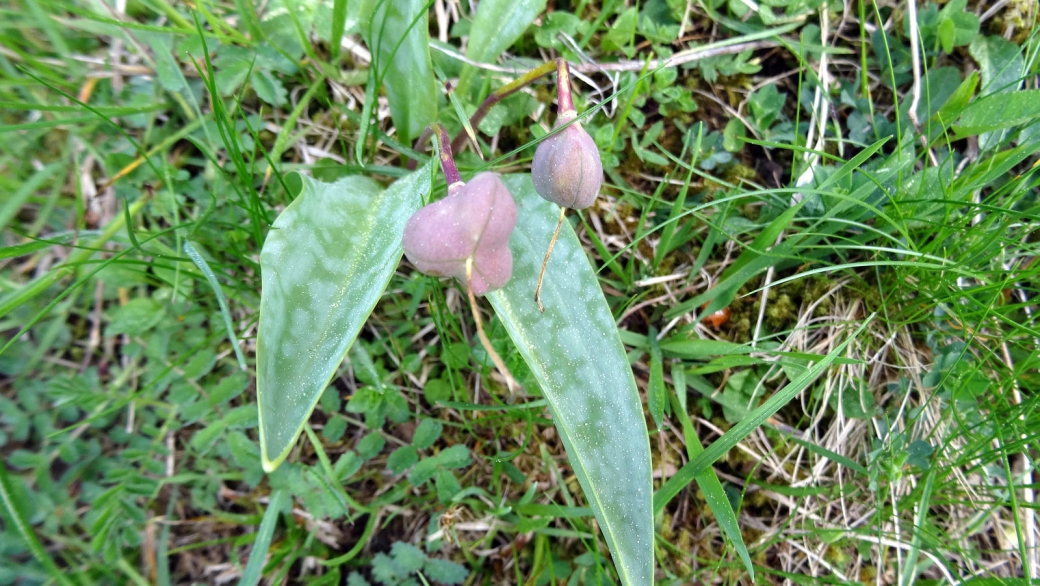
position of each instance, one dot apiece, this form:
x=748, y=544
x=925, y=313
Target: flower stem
x=510, y=381
x=564, y=101
x=545, y=262
x=451, y=171
x=503, y=93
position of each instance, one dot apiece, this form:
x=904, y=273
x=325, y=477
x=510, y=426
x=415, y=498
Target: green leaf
x=339, y=21
x=398, y=33
x=408, y=557
x=711, y=487
x=370, y=445
x=575, y=354
x=269, y=88
x=325, y=263
x=733, y=136
x=697, y=349
x=655, y=396
x=447, y=485
x=203, y=266
x=1000, y=62
x=621, y=36
x=136, y=317
x=334, y=429
x=957, y=25
x=947, y=32
x=402, y=459
x=455, y=355
x=33, y=245
x=940, y=84
x=13, y=504
x=497, y=25
x=437, y=390
x=559, y=23
x=347, y=465
x=958, y=99
x=997, y=111
x=426, y=433
x=444, y=571
x=456, y=456
x=166, y=67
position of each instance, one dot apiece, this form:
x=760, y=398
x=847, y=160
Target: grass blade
x=714, y=494
x=689, y=472
x=398, y=35
x=264, y=535
x=221, y=300
x=339, y=21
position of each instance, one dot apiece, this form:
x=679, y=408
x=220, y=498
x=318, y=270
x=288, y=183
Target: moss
x=685, y=543
x=738, y=172
x=836, y=555
x=751, y=211
x=781, y=312
x=817, y=288
x=757, y=499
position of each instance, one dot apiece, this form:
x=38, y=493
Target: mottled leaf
x=325, y=263
x=575, y=354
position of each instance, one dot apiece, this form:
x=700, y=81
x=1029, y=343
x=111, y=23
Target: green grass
x=141, y=173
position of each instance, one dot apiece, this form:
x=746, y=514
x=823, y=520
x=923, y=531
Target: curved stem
x=501, y=366
x=545, y=261
x=413, y=164
x=501, y=94
x=495, y=97
x=451, y=171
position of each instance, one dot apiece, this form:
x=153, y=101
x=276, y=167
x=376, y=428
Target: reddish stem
x=564, y=101
x=499, y=95
x=451, y=171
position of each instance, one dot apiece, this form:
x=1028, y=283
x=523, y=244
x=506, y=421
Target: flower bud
x=473, y=221
x=567, y=169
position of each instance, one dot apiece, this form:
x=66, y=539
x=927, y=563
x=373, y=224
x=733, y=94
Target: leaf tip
x=270, y=465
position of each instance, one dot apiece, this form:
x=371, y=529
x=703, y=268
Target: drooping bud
x=473, y=222
x=567, y=169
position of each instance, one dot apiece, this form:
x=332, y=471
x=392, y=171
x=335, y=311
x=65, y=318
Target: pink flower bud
x=473, y=221
x=567, y=169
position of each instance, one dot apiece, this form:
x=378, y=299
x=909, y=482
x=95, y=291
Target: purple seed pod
x=473, y=221
x=567, y=169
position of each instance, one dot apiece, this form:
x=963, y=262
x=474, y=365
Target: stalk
x=448, y=167
x=503, y=93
